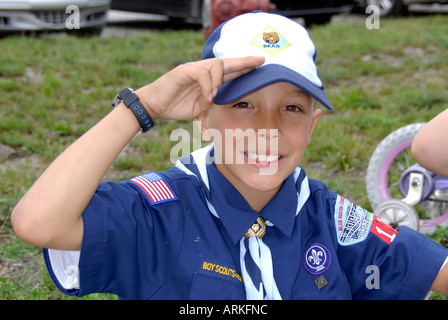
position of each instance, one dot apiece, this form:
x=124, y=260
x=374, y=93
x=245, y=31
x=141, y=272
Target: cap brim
x=262, y=76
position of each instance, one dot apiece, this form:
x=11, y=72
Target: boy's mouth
x=262, y=158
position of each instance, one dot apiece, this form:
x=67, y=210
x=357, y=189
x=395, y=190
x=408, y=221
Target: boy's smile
x=263, y=138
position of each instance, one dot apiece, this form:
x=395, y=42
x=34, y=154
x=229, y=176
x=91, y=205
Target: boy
x=428, y=145
x=213, y=226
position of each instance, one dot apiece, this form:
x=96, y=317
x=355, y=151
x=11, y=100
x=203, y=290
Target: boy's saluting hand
x=188, y=90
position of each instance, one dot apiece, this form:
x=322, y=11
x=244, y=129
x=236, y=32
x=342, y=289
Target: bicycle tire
x=377, y=175
x=383, y=152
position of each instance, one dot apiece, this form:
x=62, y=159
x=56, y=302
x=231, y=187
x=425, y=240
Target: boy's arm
x=49, y=215
x=440, y=284
x=430, y=145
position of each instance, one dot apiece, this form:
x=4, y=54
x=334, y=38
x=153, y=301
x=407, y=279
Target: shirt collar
x=229, y=205
x=236, y=214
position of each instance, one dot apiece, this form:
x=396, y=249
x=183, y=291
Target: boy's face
x=261, y=138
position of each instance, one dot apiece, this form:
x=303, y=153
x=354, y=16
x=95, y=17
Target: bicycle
x=400, y=191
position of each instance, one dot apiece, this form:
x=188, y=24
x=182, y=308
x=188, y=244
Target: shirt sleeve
x=63, y=269
x=381, y=262
x=122, y=232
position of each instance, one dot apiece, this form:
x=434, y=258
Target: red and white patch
x=382, y=230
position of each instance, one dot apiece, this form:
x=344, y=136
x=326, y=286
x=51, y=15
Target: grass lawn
x=55, y=88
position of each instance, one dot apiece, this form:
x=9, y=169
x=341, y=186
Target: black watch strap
x=131, y=100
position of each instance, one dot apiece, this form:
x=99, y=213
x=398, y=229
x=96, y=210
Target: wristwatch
x=131, y=100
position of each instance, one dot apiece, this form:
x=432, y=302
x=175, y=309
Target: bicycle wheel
x=388, y=162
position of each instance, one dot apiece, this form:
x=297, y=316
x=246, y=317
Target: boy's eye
x=292, y=108
x=242, y=105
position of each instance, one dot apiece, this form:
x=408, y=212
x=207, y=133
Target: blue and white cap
x=287, y=47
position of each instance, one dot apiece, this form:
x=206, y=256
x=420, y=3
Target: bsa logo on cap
x=271, y=41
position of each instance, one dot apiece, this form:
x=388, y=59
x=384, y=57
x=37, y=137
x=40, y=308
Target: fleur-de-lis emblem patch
x=316, y=258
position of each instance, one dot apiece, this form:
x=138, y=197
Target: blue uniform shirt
x=175, y=235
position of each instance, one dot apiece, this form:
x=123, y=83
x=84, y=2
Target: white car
x=82, y=16
x=396, y=7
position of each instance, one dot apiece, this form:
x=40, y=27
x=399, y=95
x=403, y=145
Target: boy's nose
x=268, y=133
x=267, y=125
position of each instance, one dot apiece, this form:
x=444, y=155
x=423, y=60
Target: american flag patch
x=155, y=188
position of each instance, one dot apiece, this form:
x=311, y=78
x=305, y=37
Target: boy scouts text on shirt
x=221, y=270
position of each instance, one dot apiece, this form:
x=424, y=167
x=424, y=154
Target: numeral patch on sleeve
x=384, y=231
x=354, y=224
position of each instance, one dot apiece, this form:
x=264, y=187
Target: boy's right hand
x=188, y=90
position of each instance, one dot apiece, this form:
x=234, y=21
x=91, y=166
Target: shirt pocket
x=206, y=287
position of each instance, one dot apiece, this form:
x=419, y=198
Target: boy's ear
x=202, y=122
x=316, y=115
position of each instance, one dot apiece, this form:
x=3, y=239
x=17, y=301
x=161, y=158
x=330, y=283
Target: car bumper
x=51, y=19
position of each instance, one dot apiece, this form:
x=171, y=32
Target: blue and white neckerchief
x=256, y=266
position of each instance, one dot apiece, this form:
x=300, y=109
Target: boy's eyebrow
x=299, y=92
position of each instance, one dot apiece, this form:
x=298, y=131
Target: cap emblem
x=270, y=37
x=271, y=41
